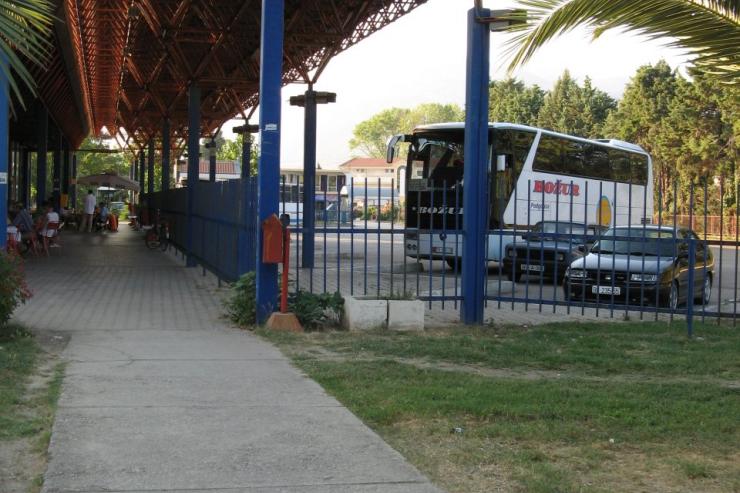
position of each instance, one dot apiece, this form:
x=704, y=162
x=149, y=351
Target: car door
x=682, y=261
x=701, y=269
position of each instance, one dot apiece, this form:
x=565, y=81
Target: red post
x=286, y=269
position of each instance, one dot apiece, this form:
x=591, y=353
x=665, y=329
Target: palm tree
x=708, y=29
x=25, y=36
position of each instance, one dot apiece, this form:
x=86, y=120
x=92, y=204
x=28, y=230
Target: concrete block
x=405, y=315
x=364, y=313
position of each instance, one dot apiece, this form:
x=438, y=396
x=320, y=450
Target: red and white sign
x=556, y=188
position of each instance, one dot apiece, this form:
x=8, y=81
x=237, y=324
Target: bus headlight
x=644, y=277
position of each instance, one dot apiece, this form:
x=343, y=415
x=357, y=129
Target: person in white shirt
x=51, y=217
x=88, y=211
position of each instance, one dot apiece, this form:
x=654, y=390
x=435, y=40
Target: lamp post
x=309, y=100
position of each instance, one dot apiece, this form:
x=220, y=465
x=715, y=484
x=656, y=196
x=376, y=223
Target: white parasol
x=109, y=180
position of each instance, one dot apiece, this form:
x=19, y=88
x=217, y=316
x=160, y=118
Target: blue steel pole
x=246, y=248
x=193, y=166
x=73, y=188
x=165, y=154
x=25, y=175
x=4, y=137
x=41, y=150
x=212, y=161
x=150, y=168
x=65, y=169
x=142, y=174
x=57, y=168
x=271, y=54
x=475, y=202
x=309, y=180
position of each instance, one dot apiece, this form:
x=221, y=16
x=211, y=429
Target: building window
x=332, y=183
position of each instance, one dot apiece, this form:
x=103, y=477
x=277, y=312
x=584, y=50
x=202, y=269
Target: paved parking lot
x=374, y=264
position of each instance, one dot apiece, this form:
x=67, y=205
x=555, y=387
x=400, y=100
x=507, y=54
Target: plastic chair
x=50, y=236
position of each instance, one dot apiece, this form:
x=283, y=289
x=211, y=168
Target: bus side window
x=639, y=169
x=597, y=163
x=621, y=165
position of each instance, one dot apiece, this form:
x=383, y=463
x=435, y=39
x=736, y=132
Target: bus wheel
x=455, y=263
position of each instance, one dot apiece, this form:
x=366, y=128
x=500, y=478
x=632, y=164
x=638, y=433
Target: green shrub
x=13, y=287
x=242, y=305
x=316, y=311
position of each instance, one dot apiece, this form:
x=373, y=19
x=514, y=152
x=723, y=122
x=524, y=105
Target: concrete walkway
x=162, y=395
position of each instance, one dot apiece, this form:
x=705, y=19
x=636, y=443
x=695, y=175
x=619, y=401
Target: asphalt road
x=372, y=257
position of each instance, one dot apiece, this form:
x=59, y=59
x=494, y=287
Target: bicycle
x=158, y=235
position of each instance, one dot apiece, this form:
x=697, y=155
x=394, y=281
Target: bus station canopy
x=127, y=66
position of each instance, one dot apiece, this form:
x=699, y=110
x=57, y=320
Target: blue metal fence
x=221, y=213
x=415, y=250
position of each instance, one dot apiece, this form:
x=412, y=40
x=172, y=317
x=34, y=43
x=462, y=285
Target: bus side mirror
x=501, y=162
x=392, y=143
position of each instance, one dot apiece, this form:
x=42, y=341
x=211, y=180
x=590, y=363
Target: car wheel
x=673, y=296
x=706, y=291
x=513, y=274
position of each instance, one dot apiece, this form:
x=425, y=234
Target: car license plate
x=533, y=267
x=441, y=249
x=606, y=290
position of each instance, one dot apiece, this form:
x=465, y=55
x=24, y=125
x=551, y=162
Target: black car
x=647, y=264
x=549, y=248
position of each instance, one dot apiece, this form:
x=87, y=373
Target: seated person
x=24, y=223
x=51, y=216
x=104, y=213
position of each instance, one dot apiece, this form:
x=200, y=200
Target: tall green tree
x=512, y=101
x=576, y=110
x=708, y=29
x=25, y=36
x=231, y=150
x=645, y=103
x=370, y=136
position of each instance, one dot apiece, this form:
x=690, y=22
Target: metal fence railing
x=544, y=252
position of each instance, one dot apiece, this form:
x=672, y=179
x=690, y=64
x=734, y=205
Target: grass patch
x=30, y=385
x=649, y=349
x=638, y=407
x=18, y=357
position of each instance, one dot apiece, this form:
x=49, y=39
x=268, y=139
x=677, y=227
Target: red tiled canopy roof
x=134, y=60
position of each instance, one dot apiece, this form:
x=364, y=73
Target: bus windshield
x=440, y=161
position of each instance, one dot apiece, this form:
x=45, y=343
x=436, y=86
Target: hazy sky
x=421, y=58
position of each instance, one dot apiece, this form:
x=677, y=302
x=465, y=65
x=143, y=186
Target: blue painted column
x=309, y=180
x=246, y=245
x=475, y=195
x=25, y=178
x=66, y=169
x=42, y=143
x=4, y=147
x=142, y=174
x=193, y=167
x=166, y=154
x=73, y=187
x=150, y=168
x=268, y=177
x=57, y=168
x=212, y=161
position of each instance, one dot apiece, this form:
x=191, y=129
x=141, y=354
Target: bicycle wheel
x=152, y=239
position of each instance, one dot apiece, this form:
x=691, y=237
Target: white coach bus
x=535, y=175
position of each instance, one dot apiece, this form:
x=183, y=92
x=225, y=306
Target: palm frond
x=708, y=29
x=25, y=36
